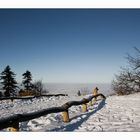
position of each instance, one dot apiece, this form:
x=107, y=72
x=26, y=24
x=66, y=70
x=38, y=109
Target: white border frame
x=69, y=4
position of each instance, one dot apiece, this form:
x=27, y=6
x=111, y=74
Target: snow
x=120, y=113
x=116, y=113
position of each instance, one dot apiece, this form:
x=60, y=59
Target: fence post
x=90, y=103
x=93, y=101
x=66, y=116
x=84, y=108
x=95, y=91
x=15, y=127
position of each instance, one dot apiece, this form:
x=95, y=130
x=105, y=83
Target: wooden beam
x=10, y=121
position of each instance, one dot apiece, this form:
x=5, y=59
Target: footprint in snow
x=84, y=116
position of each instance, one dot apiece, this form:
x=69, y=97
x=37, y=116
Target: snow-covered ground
x=116, y=113
x=120, y=113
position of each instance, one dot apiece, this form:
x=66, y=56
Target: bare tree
x=134, y=61
x=128, y=80
x=123, y=83
x=84, y=91
x=38, y=88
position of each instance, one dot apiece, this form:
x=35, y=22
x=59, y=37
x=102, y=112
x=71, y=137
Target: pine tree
x=27, y=76
x=8, y=81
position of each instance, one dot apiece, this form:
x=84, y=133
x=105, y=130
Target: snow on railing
x=13, y=121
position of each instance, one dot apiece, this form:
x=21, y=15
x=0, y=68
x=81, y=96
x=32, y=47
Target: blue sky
x=68, y=45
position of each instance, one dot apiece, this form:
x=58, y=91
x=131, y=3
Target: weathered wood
x=90, y=103
x=11, y=120
x=13, y=98
x=84, y=107
x=8, y=121
x=93, y=101
x=56, y=95
x=66, y=116
x=31, y=97
x=15, y=127
x=95, y=91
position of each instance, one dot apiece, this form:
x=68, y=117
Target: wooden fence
x=13, y=121
x=31, y=97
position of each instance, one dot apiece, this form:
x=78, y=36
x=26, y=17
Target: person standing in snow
x=79, y=93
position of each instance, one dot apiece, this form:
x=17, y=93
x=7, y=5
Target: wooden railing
x=31, y=97
x=13, y=121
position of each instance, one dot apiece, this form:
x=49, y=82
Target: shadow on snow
x=73, y=126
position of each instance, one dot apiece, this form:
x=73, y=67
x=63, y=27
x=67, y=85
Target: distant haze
x=72, y=88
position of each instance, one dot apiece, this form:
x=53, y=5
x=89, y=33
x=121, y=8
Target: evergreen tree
x=0, y=94
x=27, y=76
x=8, y=81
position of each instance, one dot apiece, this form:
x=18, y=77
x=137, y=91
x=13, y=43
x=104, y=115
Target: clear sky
x=68, y=45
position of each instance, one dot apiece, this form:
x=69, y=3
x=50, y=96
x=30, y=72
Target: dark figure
x=79, y=93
